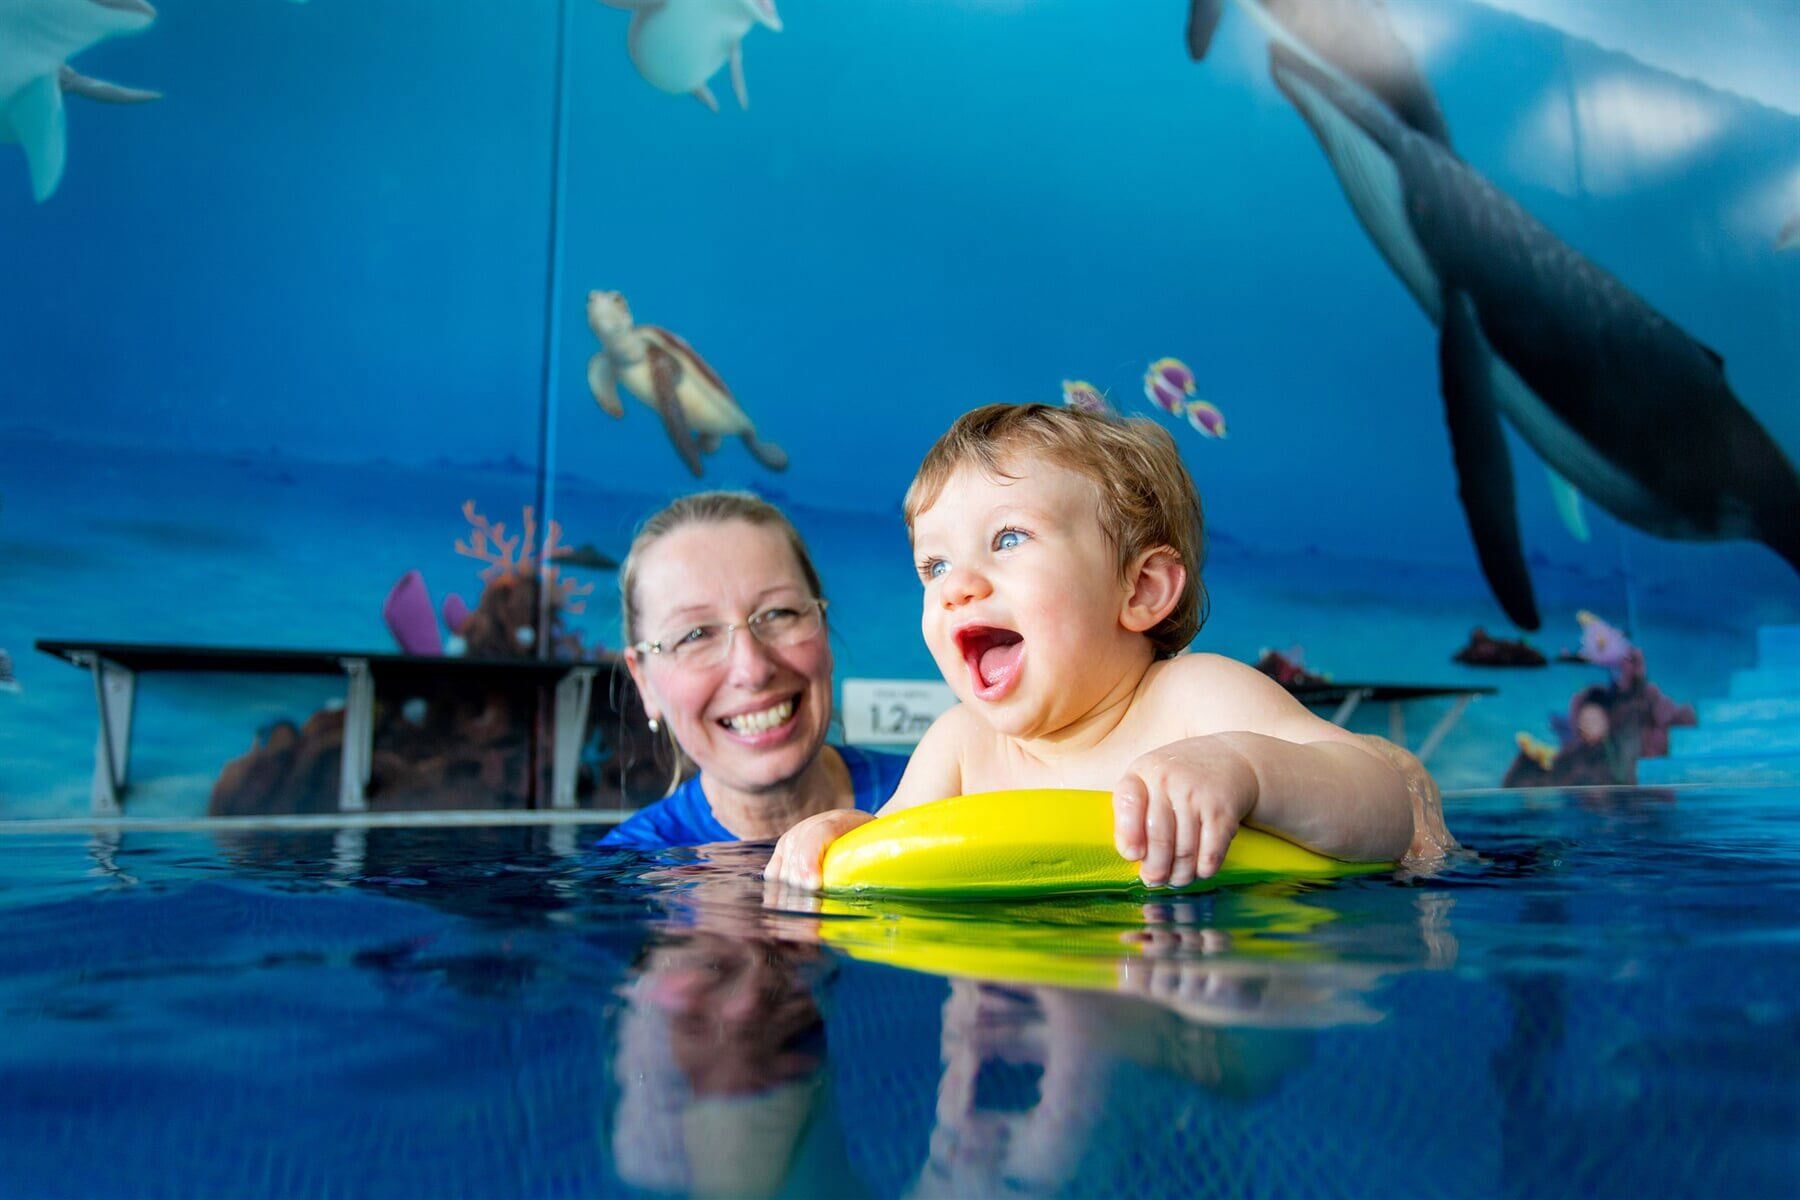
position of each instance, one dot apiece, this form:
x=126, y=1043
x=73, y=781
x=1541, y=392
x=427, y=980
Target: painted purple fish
x=1167, y=384
x=1176, y=372
x=1206, y=418
x=1079, y=393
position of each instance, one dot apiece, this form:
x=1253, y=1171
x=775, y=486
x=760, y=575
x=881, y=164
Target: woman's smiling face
x=758, y=718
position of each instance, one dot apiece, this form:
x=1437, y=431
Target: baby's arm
x=1275, y=766
x=933, y=772
x=1432, y=840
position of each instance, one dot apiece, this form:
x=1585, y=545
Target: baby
x=1060, y=554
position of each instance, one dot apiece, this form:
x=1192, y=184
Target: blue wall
x=272, y=329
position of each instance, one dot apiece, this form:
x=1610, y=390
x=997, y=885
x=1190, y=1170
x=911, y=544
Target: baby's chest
x=1001, y=768
x=999, y=763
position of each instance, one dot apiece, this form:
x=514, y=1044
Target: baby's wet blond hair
x=1147, y=497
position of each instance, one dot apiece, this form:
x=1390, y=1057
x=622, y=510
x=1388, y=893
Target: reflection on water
x=722, y=1046
x=719, y=1056
x=497, y=1012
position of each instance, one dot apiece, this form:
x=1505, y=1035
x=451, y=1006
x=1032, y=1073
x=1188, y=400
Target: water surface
x=1599, y=1000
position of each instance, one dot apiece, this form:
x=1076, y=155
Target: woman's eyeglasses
x=710, y=644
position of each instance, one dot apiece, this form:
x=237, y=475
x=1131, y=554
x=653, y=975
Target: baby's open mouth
x=993, y=655
x=763, y=719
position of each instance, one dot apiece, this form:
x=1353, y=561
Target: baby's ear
x=1154, y=581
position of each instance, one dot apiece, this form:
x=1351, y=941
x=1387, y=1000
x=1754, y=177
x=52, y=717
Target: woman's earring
x=655, y=725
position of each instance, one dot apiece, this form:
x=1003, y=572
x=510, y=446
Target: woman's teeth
x=761, y=722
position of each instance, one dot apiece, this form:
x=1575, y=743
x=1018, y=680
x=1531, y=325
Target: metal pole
x=544, y=494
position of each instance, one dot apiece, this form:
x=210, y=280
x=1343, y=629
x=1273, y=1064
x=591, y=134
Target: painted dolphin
x=1354, y=38
x=677, y=45
x=37, y=38
x=1611, y=394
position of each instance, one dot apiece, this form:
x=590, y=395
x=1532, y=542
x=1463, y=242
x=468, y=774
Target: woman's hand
x=1177, y=808
x=799, y=856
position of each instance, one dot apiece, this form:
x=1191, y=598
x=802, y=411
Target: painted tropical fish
x=1602, y=644
x=677, y=45
x=1539, y=752
x=1167, y=384
x=1206, y=418
x=1079, y=393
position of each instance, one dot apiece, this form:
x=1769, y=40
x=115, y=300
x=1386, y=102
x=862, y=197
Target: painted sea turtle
x=663, y=371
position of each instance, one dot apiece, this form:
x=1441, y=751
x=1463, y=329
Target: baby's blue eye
x=936, y=568
x=1008, y=539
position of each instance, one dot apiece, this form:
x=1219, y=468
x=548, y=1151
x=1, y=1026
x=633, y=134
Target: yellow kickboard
x=1035, y=841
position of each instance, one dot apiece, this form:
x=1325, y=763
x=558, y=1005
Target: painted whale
x=37, y=38
x=1354, y=38
x=1613, y=395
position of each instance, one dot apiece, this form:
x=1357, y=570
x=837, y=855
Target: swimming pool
x=1601, y=1001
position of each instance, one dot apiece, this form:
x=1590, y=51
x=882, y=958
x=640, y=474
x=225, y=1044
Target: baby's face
x=1022, y=594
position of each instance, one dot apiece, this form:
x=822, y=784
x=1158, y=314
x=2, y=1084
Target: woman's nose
x=751, y=662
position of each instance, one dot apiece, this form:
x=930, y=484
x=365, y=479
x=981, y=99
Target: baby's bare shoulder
x=1201, y=672
x=938, y=763
x=956, y=725
x=1213, y=693
x=948, y=739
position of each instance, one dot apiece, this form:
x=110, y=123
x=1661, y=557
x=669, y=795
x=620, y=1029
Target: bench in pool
x=116, y=665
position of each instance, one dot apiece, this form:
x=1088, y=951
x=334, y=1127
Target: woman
x=725, y=632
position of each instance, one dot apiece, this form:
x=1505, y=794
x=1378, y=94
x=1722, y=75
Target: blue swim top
x=684, y=818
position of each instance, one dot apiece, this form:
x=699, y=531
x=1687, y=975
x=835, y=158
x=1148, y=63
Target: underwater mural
x=481, y=747
x=37, y=39
x=666, y=373
x=677, y=45
x=1169, y=386
x=1079, y=393
x=411, y=618
x=518, y=563
x=385, y=305
x=1608, y=727
x=1623, y=406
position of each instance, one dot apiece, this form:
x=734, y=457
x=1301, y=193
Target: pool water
x=1603, y=998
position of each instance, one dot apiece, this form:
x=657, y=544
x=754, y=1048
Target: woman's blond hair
x=701, y=508
x=1147, y=498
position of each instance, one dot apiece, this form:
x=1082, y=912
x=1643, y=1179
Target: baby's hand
x=800, y=854
x=1177, y=808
